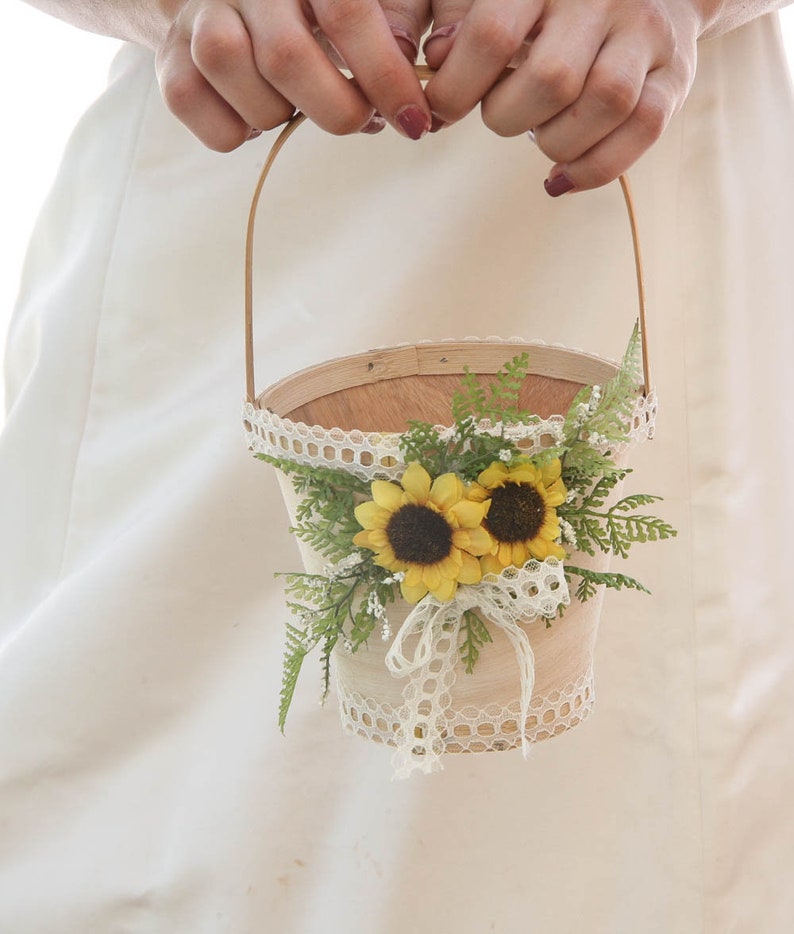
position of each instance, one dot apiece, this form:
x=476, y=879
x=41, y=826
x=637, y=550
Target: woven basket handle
x=423, y=73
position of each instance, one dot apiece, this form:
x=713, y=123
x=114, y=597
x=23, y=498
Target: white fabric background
x=144, y=785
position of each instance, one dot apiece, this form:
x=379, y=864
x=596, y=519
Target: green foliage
x=480, y=413
x=474, y=634
x=590, y=580
x=325, y=517
x=612, y=417
x=597, y=421
x=320, y=607
x=294, y=653
x=615, y=529
x=600, y=418
x=498, y=401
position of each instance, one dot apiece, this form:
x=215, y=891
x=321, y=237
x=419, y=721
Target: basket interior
x=382, y=390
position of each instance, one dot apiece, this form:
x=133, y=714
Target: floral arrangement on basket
x=470, y=530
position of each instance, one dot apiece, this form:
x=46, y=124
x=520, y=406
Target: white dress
x=144, y=785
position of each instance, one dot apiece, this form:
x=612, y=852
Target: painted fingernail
x=375, y=124
x=558, y=185
x=437, y=123
x=413, y=121
x=443, y=32
x=399, y=33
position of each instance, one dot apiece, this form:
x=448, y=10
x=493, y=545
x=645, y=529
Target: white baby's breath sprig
x=568, y=534
x=340, y=568
x=585, y=410
x=375, y=607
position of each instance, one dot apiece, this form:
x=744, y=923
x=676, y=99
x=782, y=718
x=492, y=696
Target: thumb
x=447, y=17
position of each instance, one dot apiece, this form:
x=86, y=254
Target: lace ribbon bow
x=517, y=595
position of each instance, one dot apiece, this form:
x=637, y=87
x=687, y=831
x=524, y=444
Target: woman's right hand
x=230, y=68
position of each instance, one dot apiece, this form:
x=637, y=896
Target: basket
x=536, y=680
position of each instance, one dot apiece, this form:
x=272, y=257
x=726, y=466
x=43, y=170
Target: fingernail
x=558, y=185
x=532, y=137
x=399, y=33
x=374, y=125
x=443, y=32
x=413, y=121
x=254, y=133
x=437, y=123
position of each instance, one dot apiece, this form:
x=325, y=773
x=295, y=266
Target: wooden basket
x=347, y=413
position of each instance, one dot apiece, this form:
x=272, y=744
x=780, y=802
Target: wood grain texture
x=382, y=390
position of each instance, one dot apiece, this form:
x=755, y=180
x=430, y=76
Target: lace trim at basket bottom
x=471, y=729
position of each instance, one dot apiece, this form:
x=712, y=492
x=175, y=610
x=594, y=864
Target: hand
x=231, y=68
x=597, y=81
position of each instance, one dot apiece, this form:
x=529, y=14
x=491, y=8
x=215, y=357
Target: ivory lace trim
x=371, y=455
x=472, y=729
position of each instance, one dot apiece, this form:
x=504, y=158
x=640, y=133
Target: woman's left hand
x=597, y=81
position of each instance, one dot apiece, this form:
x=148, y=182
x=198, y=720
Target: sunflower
x=522, y=518
x=428, y=530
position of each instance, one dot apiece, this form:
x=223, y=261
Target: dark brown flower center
x=418, y=535
x=516, y=514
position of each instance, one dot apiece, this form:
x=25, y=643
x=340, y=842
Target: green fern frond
x=590, y=580
x=294, y=654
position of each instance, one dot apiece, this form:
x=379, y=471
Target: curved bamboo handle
x=424, y=73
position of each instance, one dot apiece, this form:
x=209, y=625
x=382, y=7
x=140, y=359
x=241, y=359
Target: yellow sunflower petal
x=505, y=553
x=386, y=494
x=451, y=565
x=413, y=576
x=493, y=476
x=556, y=551
x=468, y=515
x=362, y=539
x=416, y=483
x=539, y=548
x=555, y=484
x=525, y=473
x=372, y=516
x=519, y=556
x=471, y=572
x=445, y=591
x=446, y=491
x=378, y=538
x=477, y=493
x=551, y=471
x=385, y=558
x=490, y=564
x=476, y=541
x=542, y=549
x=550, y=530
x=412, y=594
x=431, y=577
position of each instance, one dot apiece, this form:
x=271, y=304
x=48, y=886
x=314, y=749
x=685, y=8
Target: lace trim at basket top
x=377, y=454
